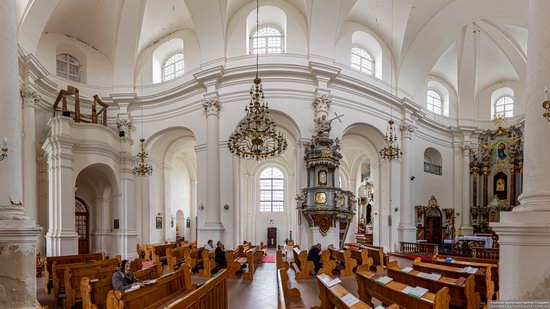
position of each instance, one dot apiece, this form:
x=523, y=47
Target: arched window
x=272, y=190
x=68, y=66
x=267, y=40
x=362, y=61
x=433, y=162
x=173, y=67
x=504, y=106
x=433, y=100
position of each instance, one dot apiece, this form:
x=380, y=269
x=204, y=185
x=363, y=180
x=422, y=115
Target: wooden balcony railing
x=97, y=116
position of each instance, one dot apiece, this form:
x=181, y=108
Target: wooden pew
x=212, y=294
x=328, y=264
x=332, y=297
x=344, y=256
x=58, y=272
x=136, y=265
x=461, y=294
x=261, y=253
x=280, y=260
x=391, y=293
x=72, y=279
x=234, y=263
x=65, y=259
x=164, y=289
x=374, y=252
x=301, y=265
x=252, y=264
x=288, y=298
x=160, y=252
x=483, y=282
x=94, y=292
x=143, y=252
x=208, y=264
x=176, y=256
x=473, y=262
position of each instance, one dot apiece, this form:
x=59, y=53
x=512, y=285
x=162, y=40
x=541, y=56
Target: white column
x=128, y=222
x=61, y=238
x=466, y=225
x=213, y=228
x=524, y=234
x=30, y=193
x=406, y=230
x=18, y=233
x=42, y=201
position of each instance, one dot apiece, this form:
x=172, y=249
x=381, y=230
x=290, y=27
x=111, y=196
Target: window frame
x=67, y=72
x=271, y=201
x=252, y=36
x=428, y=103
x=361, y=68
x=504, y=106
x=175, y=72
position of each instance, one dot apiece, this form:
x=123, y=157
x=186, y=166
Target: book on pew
x=460, y=281
x=416, y=292
x=349, y=300
x=384, y=280
x=149, y=282
x=449, y=260
x=379, y=307
x=434, y=276
x=94, y=280
x=134, y=287
x=470, y=270
x=406, y=269
x=422, y=274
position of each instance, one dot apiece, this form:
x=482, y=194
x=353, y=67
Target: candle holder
x=546, y=106
x=4, y=153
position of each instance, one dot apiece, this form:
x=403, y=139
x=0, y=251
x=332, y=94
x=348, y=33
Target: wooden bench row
x=50, y=261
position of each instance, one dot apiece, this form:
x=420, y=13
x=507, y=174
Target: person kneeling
x=314, y=255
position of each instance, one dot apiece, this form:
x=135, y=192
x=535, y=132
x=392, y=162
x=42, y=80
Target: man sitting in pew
x=124, y=279
x=209, y=245
x=219, y=257
x=314, y=255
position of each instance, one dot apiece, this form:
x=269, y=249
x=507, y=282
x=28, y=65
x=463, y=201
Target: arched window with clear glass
x=433, y=101
x=68, y=66
x=272, y=190
x=173, y=67
x=267, y=40
x=504, y=106
x=362, y=61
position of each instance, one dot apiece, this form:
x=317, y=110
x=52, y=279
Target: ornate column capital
x=30, y=97
x=211, y=106
x=124, y=125
x=406, y=130
x=321, y=103
x=466, y=149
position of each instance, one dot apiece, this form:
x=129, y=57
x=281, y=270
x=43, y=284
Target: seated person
x=219, y=258
x=314, y=255
x=209, y=245
x=124, y=279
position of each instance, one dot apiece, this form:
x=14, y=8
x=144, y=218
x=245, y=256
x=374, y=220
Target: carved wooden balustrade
x=422, y=249
x=98, y=107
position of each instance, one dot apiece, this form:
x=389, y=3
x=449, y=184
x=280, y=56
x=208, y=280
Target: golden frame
x=320, y=197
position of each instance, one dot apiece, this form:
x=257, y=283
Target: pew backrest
x=212, y=294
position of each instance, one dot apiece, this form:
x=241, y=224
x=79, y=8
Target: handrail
x=96, y=117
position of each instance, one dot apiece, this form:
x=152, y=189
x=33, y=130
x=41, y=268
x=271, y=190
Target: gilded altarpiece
x=496, y=170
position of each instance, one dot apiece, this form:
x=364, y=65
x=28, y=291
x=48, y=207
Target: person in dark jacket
x=219, y=257
x=124, y=279
x=314, y=255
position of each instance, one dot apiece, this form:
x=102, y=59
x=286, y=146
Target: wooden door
x=433, y=230
x=82, y=226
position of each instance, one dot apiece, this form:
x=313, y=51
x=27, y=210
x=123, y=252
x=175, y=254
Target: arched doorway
x=82, y=222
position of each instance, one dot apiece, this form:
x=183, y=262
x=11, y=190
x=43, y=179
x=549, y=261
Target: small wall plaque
x=116, y=224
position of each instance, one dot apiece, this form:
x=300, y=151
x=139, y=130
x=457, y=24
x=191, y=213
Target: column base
x=211, y=230
x=18, y=237
x=406, y=233
x=524, y=239
x=61, y=243
x=332, y=238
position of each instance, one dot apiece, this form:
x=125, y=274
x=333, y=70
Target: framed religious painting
x=322, y=178
x=320, y=197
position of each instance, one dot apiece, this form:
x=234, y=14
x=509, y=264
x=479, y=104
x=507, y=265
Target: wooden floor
x=260, y=293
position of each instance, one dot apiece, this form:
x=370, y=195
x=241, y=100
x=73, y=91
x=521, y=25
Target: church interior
x=274, y=154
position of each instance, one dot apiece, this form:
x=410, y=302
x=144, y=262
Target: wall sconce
x=172, y=222
x=226, y=206
x=4, y=153
x=188, y=222
x=457, y=214
x=396, y=209
x=201, y=207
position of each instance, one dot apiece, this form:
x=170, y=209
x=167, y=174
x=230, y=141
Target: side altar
x=328, y=209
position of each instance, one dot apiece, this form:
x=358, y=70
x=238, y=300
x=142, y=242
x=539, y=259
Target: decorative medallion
x=320, y=198
x=323, y=222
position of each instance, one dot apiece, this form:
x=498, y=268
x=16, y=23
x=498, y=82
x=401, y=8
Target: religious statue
x=500, y=184
x=322, y=125
x=449, y=230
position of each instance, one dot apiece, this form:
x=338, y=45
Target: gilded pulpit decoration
x=496, y=169
x=322, y=199
x=323, y=222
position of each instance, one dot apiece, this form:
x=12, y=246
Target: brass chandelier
x=255, y=137
x=142, y=168
x=390, y=150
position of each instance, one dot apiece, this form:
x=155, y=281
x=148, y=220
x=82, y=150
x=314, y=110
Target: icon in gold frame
x=320, y=198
